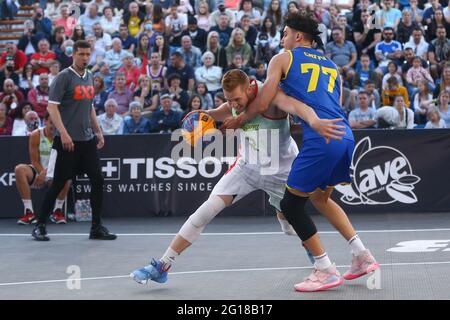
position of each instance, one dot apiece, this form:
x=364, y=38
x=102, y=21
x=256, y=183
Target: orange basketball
x=197, y=125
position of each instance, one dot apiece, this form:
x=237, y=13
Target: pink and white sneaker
x=362, y=264
x=320, y=280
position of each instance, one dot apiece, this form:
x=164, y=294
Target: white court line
x=218, y=271
x=225, y=233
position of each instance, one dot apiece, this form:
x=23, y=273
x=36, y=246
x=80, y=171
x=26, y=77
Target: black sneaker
x=101, y=233
x=39, y=233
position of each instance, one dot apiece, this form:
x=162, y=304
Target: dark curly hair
x=303, y=22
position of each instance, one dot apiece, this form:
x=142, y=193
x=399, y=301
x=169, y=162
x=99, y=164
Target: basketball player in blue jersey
x=307, y=75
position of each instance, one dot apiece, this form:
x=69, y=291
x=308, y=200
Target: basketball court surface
x=236, y=258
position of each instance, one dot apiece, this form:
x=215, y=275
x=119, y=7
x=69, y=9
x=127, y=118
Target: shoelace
x=161, y=267
x=313, y=276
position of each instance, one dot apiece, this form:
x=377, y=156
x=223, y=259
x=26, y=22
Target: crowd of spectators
x=155, y=61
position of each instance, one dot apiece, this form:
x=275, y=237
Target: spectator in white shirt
x=89, y=18
x=406, y=115
x=102, y=39
x=32, y=123
x=109, y=22
x=418, y=44
x=19, y=125
x=97, y=54
x=110, y=122
x=209, y=73
x=101, y=4
x=114, y=56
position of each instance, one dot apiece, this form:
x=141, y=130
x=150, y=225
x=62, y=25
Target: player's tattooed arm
x=327, y=128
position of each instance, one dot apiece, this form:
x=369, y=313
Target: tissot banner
x=392, y=171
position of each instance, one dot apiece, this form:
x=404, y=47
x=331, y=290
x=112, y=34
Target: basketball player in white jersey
x=34, y=175
x=253, y=168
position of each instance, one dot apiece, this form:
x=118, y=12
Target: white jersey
x=45, y=147
x=267, y=142
x=266, y=153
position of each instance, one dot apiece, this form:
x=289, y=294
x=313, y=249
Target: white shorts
x=242, y=179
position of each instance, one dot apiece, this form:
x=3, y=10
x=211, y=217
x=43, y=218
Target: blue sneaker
x=154, y=271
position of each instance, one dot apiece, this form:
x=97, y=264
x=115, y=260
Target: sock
x=169, y=258
x=59, y=204
x=286, y=227
x=28, y=204
x=322, y=262
x=356, y=245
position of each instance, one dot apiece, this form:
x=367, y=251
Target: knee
x=207, y=211
x=20, y=171
x=291, y=204
x=294, y=209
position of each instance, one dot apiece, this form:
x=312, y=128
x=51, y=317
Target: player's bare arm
x=97, y=129
x=277, y=67
x=329, y=129
x=57, y=121
x=220, y=113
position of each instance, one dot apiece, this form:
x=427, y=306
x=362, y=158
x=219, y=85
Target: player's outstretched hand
x=329, y=129
x=67, y=142
x=231, y=123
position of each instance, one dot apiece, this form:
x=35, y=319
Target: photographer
x=8, y=73
x=18, y=58
x=11, y=97
x=42, y=24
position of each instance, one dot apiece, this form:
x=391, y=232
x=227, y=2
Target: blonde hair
x=208, y=40
x=205, y=3
x=233, y=79
x=233, y=34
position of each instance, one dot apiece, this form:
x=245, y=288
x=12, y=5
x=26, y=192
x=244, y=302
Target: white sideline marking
x=218, y=271
x=223, y=233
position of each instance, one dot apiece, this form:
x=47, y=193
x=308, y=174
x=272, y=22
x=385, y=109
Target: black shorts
x=65, y=165
x=35, y=174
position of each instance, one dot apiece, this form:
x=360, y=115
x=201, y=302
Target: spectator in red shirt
x=66, y=20
x=42, y=60
x=6, y=122
x=12, y=53
x=38, y=97
x=11, y=97
x=131, y=71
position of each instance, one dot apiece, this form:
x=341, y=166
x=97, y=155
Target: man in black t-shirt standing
x=366, y=35
x=75, y=145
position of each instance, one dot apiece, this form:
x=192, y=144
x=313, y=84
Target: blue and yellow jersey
x=314, y=79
